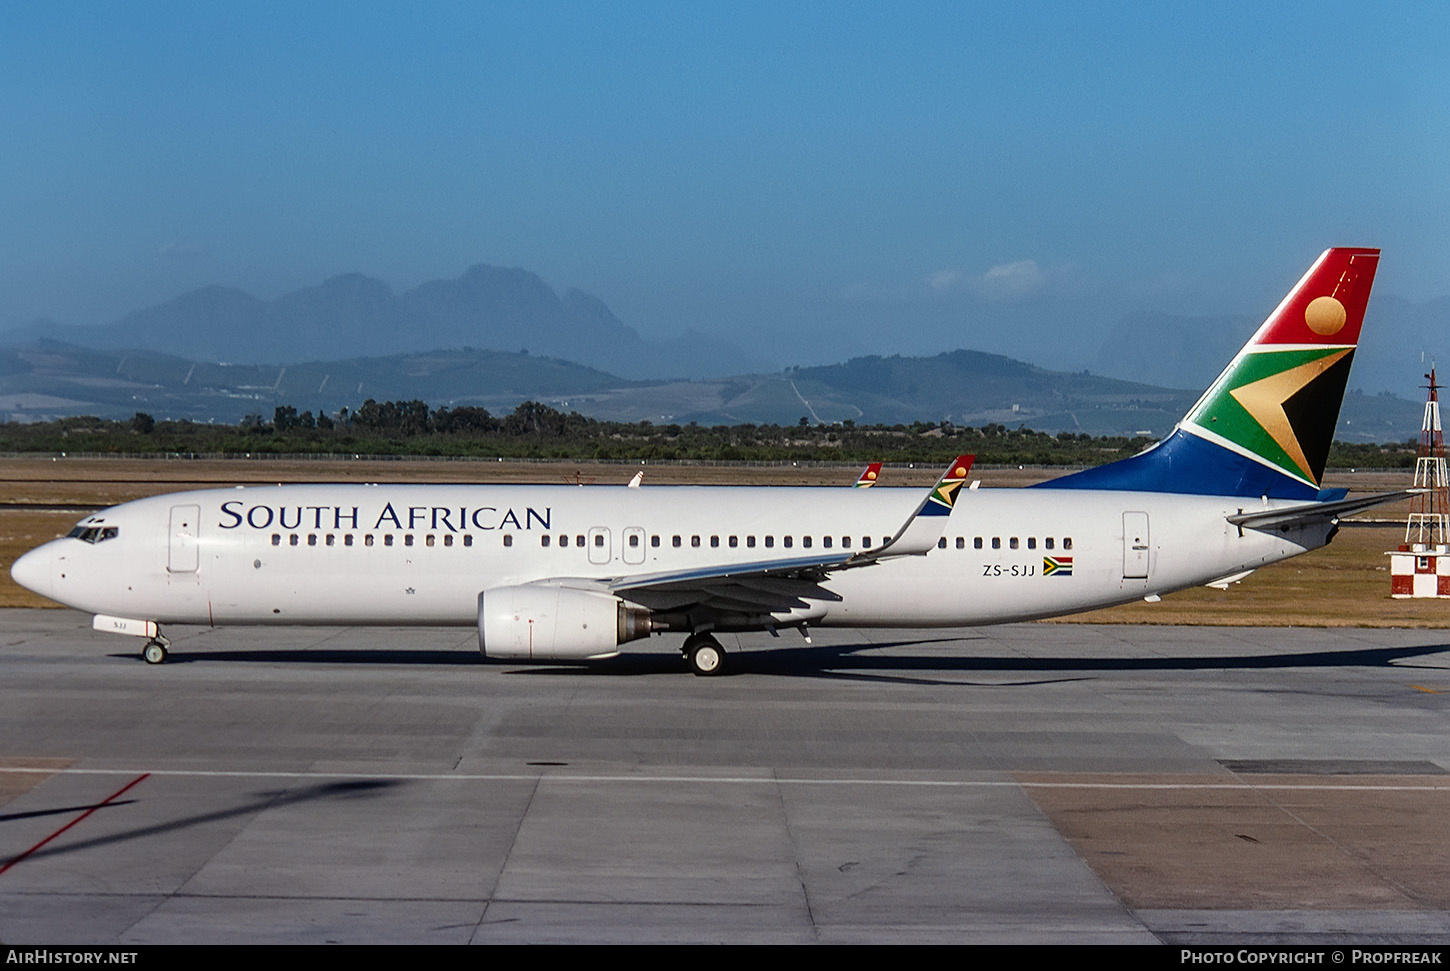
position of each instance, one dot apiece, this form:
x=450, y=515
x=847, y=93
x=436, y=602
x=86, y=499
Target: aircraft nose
x=33, y=570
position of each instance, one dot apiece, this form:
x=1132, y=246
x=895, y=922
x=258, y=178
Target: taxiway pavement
x=1028, y=783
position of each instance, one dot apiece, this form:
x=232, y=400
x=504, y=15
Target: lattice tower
x=1428, y=526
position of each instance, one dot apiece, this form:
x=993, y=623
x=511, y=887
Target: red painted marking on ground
x=113, y=796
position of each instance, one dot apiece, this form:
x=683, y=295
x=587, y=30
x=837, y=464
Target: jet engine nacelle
x=543, y=621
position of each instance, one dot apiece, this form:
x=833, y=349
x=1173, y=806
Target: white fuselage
x=421, y=554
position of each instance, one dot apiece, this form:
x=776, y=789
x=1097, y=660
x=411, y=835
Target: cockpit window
x=93, y=534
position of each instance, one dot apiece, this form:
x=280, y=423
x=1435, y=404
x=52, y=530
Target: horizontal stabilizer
x=1315, y=511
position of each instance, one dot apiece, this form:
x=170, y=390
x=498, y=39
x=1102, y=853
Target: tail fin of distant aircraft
x=1265, y=426
x=868, y=476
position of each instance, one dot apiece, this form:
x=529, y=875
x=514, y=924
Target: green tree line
x=535, y=430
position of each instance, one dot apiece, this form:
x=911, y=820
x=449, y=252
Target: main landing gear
x=155, y=650
x=704, y=655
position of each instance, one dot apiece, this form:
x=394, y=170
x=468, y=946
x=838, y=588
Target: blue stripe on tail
x=1189, y=465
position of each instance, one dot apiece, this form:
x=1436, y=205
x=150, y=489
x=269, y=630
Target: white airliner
x=561, y=572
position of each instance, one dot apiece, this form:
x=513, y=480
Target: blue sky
x=821, y=178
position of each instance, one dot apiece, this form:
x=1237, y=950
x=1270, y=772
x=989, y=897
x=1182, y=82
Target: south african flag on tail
x=1265, y=426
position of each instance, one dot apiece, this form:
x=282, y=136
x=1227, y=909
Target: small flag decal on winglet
x=1057, y=566
x=939, y=503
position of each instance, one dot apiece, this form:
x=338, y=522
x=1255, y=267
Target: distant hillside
x=353, y=315
x=46, y=379
x=973, y=388
x=1400, y=341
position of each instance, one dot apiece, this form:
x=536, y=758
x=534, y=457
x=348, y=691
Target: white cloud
x=1002, y=283
x=1011, y=281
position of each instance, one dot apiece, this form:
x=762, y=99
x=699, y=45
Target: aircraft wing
x=783, y=584
x=767, y=586
x=1315, y=511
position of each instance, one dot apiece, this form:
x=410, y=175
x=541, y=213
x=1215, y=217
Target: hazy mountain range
x=1402, y=340
x=40, y=380
x=353, y=315
x=494, y=337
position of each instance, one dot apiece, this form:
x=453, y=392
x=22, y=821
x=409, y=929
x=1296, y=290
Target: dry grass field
x=1346, y=584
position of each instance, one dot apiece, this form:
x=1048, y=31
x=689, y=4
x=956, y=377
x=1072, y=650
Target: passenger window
x=787, y=542
x=675, y=542
x=599, y=540
x=826, y=542
x=941, y=544
x=714, y=542
x=447, y=539
x=734, y=542
x=292, y=540
x=633, y=540
x=563, y=541
x=276, y=539
x=1047, y=543
x=1032, y=542
x=508, y=539
x=544, y=540
x=750, y=542
x=996, y=542
x=769, y=542
x=961, y=542
x=368, y=540
x=845, y=542
x=578, y=540
x=695, y=541
x=428, y=540
x=331, y=539
x=1067, y=542
x=347, y=540
x=407, y=539
x=976, y=542
x=806, y=542
x=311, y=539
x=388, y=539
x=654, y=541
x=467, y=539
x=1012, y=542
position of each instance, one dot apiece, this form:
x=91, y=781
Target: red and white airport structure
x=1421, y=566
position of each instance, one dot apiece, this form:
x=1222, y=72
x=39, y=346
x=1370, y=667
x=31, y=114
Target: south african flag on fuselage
x=1057, y=566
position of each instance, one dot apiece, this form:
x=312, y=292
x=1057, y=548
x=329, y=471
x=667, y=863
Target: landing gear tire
x=704, y=655
x=154, y=652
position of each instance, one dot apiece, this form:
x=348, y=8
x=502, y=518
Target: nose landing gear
x=155, y=650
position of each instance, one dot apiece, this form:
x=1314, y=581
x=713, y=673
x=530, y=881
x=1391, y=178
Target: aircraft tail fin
x=1265, y=426
x=868, y=476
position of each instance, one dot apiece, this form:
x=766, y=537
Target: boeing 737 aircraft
x=560, y=572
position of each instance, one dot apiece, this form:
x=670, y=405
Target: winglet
x=920, y=533
x=868, y=476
